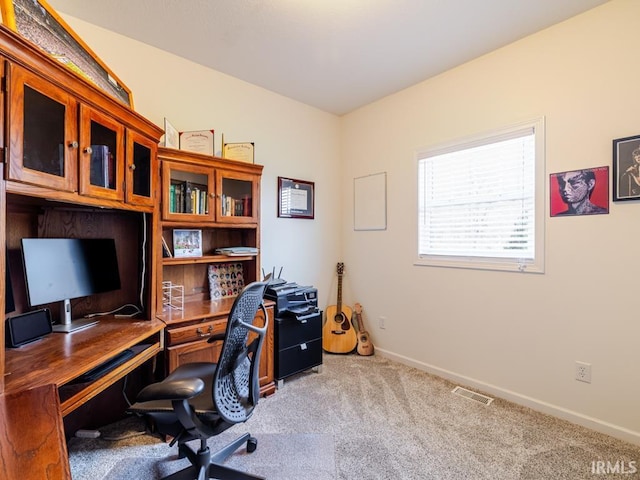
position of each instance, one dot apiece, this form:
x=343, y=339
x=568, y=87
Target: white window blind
x=478, y=201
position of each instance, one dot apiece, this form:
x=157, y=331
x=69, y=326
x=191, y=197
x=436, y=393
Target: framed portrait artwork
x=38, y=22
x=580, y=192
x=626, y=168
x=295, y=198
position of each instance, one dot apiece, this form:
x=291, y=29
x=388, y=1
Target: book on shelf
x=188, y=197
x=102, y=167
x=237, y=251
x=236, y=207
x=166, y=253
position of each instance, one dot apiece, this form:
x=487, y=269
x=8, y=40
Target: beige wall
x=513, y=335
x=291, y=140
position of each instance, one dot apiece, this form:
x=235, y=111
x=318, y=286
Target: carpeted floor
x=122, y=453
x=372, y=418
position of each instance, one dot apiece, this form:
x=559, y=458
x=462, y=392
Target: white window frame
x=532, y=265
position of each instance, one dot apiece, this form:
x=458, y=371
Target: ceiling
x=336, y=55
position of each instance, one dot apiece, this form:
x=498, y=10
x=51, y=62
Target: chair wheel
x=252, y=444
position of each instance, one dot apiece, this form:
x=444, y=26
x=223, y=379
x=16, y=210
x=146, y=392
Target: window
x=481, y=201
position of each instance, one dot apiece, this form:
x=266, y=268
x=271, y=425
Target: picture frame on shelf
x=187, y=243
x=39, y=23
x=171, y=136
x=197, y=141
x=239, y=151
x=225, y=280
x=295, y=198
x=626, y=168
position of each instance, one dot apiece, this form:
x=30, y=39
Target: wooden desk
x=59, y=358
x=188, y=330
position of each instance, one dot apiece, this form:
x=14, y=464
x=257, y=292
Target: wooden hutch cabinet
x=76, y=163
x=67, y=144
x=221, y=199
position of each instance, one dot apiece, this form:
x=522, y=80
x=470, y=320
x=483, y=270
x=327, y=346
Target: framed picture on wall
x=580, y=192
x=295, y=198
x=626, y=168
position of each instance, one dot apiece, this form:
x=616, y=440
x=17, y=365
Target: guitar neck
x=339, y=302
x=357, y=321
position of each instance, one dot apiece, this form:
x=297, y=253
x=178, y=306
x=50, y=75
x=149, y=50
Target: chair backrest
x=236, y=386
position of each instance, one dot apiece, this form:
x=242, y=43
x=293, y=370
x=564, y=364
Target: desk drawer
x=298, y=358
x=195, y=332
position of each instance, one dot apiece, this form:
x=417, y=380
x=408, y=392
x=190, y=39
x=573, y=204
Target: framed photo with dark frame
x=38, y=22
x=626, y=168
x=295, y=198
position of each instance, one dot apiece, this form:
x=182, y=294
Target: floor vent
x=463, y=392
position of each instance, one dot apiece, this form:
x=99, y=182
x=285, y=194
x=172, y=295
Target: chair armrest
x=181, y=389
x=216, y=337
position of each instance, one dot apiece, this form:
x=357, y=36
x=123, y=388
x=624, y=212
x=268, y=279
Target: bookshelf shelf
x=207, y=259
x=229, y=217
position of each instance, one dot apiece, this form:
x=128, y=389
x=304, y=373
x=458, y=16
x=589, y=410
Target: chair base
x=206, y=465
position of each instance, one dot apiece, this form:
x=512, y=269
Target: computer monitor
x=60, y=269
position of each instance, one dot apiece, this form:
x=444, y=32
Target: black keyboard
x=106, y=367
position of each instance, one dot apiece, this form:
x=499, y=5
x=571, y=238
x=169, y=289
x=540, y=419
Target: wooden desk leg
x=32, y=443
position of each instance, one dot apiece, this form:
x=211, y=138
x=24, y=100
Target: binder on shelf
x=101, y=173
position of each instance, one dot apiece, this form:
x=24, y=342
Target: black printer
x=298, y=328
x=292, y=299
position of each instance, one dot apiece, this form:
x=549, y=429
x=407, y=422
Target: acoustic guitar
x=338, y=335
x=365, y=347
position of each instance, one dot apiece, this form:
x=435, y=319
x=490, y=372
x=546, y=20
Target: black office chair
x=200, y=400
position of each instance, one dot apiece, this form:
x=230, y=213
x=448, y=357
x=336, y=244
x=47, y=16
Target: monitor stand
x=75, y=325
x=68, y=326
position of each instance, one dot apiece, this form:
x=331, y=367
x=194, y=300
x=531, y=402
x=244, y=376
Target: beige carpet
x=383, y=420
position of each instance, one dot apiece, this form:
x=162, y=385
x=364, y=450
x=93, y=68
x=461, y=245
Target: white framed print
x=187, y=243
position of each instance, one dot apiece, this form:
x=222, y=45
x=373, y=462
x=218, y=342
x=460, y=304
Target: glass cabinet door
x=142, y=165
x=236, y=198
x=187, y=192
x=101, y=155
x=43, y=148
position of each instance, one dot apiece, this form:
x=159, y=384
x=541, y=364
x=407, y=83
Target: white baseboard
x=535, y=404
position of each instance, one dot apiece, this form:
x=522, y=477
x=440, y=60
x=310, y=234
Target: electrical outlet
x=583, y=372
x=382, y=322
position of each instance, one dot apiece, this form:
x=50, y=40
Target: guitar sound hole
x=342, y=320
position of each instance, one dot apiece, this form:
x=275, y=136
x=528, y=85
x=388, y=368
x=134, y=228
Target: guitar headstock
x=340, y=268
x=357, y=308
